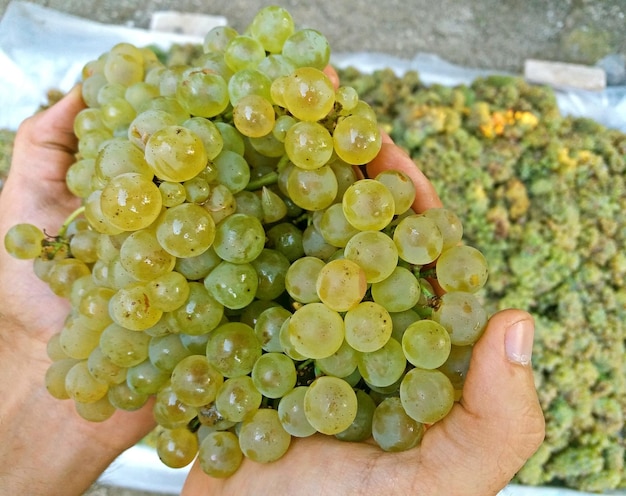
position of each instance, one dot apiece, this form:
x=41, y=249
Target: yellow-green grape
x=308, y=145
x=143, y=257
x=185, y=230
x=307, y=48
x=282, y=124
x=398, y=292
x=456, y=367
x=309, y=94
x=63, y=274
x=267, y=146
x=169, y=105
x=254, y=116
x=334, y=226
x=418, y=239
x=291, y=413
x=248, y=82
x=233, y=139
x=462, y=268
x=462, y=315
x=78, y=177
x=55, y=377
x=392, y=429
x=176, y=448
x=342, y=363
x=368, y=205
x=237, y=398
x=368, y=326
x=77, y=339
x=248, y=203
x=117, y=114
x=448, y=223
x=208, y=133
x=130, y=307
x=232, y=171
x=361, y=427
x=341, y=285
x=276, y=65
x=167, y=350
x=198, y=267
x=90, y=87
x=103, y=369
x=347, y=97
x=124, y=398
x=233, y=285
x=88, y=119
x=196, y=381
x=217, y=38
x=271, y=267
x=316, y=331
x=274, y=375
x=286, y=344
x=219, y=454
x=401, y=187
x=357, y=140
x=384, y=366
x=145, y=378
x=314, y=244
x=131, y=201
x=124, y=64
x=90, y=143
x=117, y=276
x=24, y=241
x=82, y=386
x=273, y=207
x=221, y=203
x=426, y=344
x=94, y=304
x=118, y=156
x=95, y=411
x=202, y=93
x=312, y=189
x=272, y=25
x=169, y=79
x=200, y=313
x=138, y=93
x=168, y=291
x=197, y=190
x=330, y=405
x=169, y=411
x=83, y=245
x=175, y=153
x=124, y=347
x=233, y=349
x=374, y=252
x=426, y=395
x=301, y=279
x=53, y=348
x=267, y=327
x=262, y=437
x=277, y=91
x=243, y=52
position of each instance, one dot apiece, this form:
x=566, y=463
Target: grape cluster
x=231, y=260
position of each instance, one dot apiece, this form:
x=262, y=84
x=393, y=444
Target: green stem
x=266, y=180
x=68, y=221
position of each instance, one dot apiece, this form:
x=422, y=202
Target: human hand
x=474, y=451
x=43, y=439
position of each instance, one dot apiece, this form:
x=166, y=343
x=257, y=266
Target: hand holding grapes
x=43, y=439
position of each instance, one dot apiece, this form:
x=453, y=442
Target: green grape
x=448, y=223
x=131, y=201
x=316, y=331
x=272, y=25
x=268, y=146
x=368, y=326
x=374, y=252
x=307, y=48
x=267, y=327
x=176, y=448
x=271, y=267
x=232, y=171
x=276, y=65
x=103, y=369
x=138, y=93
x=63, y=274
x=200, y=313
x=274, y=375
x=83, y=245
x=357, y=140
x=202, y=93
x=282, y=124
x=308, y=145
x=361, y=427
x=314, y=244
x=233, y=139
x=79, y=175
x=80, y=288
x=130, y=307
x=221, y=203
x=384, y=366
x=185, y=230
x=291, y=413
x=143, y=257
x=462, y=268
x=124, y=398
x=426, y=395
x=169, y=105
x=53, y=348
x=309, y=95
x=195, y=380
x=342, y=363
x=273, y=206
x=117, y=115
x=77, y=339
x=165, y=351
x=346, y=176
x=168, y=291
x=398, y=292
x=401, y=187
x=217, y=38
x=169, y=411
x=175, y=153
x=262, y=437
x=118, y=277
x=334, y=226
x=456, y=366
x=286, y=343
x=286, y=238
x=249, y=203
x=243, y=52
x=248, y=82
x=237, y=398
x=426, y=344
x=88, y=119
x=124, y=347
x=239, y=238
x=55, y=377
x=90, y=87
x=402, y=320
x=124, y=65
x=254, y=116
x=341, y=285
x=418, y=239
x=330, y=405
x=312, y=189
x=95, y=411
x=145, y=378
x=233, y=349
x=208, y=133
x=392, y=429
x=198, y=267
x=368, y=205
x=347, y=97
x=24, y=241
x=301, y=279
x=82, y=386
x=219, y=454
x=462, y=315
x=233, y=285
x=90, y=143
x=253, y=311
x=169, y=79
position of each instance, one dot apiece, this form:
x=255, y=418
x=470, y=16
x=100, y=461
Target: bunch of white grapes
x=231, y=260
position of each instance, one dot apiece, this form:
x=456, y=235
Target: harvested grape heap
x=233, y=258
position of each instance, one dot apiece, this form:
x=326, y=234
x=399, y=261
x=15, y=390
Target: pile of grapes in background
x=232, y=258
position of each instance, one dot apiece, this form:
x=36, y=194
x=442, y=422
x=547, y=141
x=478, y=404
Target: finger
x=330, y=71
x=499, y=416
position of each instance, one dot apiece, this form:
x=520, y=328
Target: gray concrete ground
x=491, y=34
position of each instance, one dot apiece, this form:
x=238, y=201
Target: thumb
x=499, y=416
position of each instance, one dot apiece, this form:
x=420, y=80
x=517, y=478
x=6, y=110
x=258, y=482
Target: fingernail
x=518, y=341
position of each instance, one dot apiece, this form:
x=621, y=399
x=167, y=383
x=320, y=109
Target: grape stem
x=69, y=220
x=266, y=180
